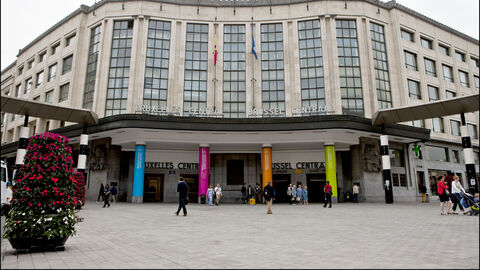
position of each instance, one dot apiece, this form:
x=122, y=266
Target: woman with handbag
x=443, y=195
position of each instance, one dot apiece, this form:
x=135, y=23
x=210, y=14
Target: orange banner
x=266, y=166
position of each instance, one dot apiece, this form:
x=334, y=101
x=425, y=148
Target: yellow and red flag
x=215, y=52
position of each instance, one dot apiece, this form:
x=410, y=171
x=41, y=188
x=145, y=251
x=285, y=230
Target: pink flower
x=27, y=189
x=55, y=180
x=39, y=204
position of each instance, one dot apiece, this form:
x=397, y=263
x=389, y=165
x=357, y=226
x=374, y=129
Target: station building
x=233, y=92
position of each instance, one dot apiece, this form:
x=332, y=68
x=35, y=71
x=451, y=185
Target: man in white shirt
x=218, y=194
x=457, y=191
x=355, y=192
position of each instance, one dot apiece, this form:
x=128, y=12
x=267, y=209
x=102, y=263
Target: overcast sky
x=24, y=20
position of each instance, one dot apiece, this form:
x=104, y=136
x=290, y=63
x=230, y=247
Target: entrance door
x=192, y=182
x=420, y=180
x=153, y=188
x=315, y=184
x=280, y=186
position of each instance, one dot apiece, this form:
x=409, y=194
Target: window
x=31, y=63
x=52, y=72
x=196, y=56
x=49, y=96
x=28, y=85
x=63, y=92
x=437, y=153
x=90, y=79
x=349, y=67
x=476, y=80
x=472, y=129
x=37, y=98
x=234, y=71
x=20, y=70
x=450, y=94
x=311, y=64
x=403, y=180
x=443, y=49
x=273, y=84
x=17, y=90
x=426, y=43
x=235, y=172
x=118, y=75
x=41, y=56
x=433, y=93
x=437, y=124
x=55, y=48
x=476, y=156
x=414, y=89
x=47, y=126
x=69, y=40
x=67, y=64
x=430, y=67
x=380, y=63
x=474, y=61
x=419, y=123
x=406, y=35
x=455, y=127
x=463, y=77
x=39, y=78
x=447, y=73
x=62, y=123
x=460, y=56
x=411, y=60
x=456, y=156
x=397, y=158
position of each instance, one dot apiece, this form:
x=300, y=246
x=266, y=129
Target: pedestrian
x=355, y=192
x=327, y=189
x=182, y=190
x=244, y=193
x=443, y=195
x=106, y=196
x=289, y=194
x=258, y=194
x=218, y=194
x=249, y=193
x=423, y=190
x=210, y=195
x=457, y=192
x=101, y=193
x=305, y=195
x=299, y=194
x=113, y=191
x=268, y=195
x=294, y=194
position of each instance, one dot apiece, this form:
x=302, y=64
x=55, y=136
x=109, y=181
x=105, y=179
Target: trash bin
x=202, y=199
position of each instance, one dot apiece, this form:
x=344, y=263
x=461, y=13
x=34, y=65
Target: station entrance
x=315, y=183
x=280, y=186
x=153, y=188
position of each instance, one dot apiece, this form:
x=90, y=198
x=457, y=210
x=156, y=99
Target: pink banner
x=204, y=166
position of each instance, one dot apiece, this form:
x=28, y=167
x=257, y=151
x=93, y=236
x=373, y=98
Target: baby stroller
x=468, y=201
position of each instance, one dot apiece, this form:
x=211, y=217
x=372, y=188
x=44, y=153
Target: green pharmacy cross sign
x=417, y=148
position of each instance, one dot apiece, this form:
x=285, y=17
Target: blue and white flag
x=253, y=45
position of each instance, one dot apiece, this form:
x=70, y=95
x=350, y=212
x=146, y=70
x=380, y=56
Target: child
x=305, y=196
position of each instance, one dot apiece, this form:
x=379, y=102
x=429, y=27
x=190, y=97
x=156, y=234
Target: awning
x=47, y=111
x=434, y=109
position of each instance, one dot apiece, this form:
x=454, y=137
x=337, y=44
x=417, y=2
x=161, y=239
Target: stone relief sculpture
x=97, y=159
x=372, y=157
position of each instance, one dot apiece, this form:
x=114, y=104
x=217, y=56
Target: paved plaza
x=366, y=235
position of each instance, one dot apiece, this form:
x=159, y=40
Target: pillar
x=22, y=143
x=331, y=167
x=204, y=167
x=82, y=155
x=387, y=175
x=468, y=155
x=138, y=172
x=266, y=164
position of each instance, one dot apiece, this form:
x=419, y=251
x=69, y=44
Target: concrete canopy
x=439, y=108
x=47, y=111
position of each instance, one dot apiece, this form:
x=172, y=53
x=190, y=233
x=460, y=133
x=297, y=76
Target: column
x=331, y=167
x=266, y=164
x=387, y=175
x=468, y=155
x=138, y=172
x=22, y=143
x=204, y=166
x=82, y=155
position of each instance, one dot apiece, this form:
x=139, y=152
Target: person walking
x=294, y=194
x=210, y=195
x=268, y=195
x=423, y=190
x=305, y=195
x=249, y=193
x=457, y=192
x=355, y=190
x=244, y=193
x=327, y=189
x=113, y=191
x=101, y=192
x=289, y=194
x=106, y=196
x=182, y=190
x=258, y=194
x=299, y=194
x=218, y=194
x=442, y=194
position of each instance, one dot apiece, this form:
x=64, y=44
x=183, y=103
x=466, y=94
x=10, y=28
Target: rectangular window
x=28, y=85
x=93, y=49
x=31, y=63
x=17, y=90
x=450, y=94
x=411, y=60
x=403, y=180
x=460, y=56
x=463, y=77
x=419, y=123
x=437, y=124
x=55, y=48
x=52, y=72
x=118, y=75
x=69, y=40
x=349, y=67
x=234, y=88
x=397, y=158
x=20, y=70
x=63, y=92
x=47, y=126
x=395, y=180
x=311, y=65
x=41, y=56
x=235, y=172
x=426, y=43
x=414, y=89
x=430, y=68
x=456, y=156
x=455, y=127
x=67, y=64
x=472, y=130
x=39, y=80
x=476, y=80
x=474, y=61
x=49, y=96
x=444, y=49
x=447, y=73
x=437, y=153
x=273, y=84
x=433, y=94
x=380, y=63
x=406, y=35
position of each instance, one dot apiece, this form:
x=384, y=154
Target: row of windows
x=437, y=153
x=438, y=126
x=415, y=92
